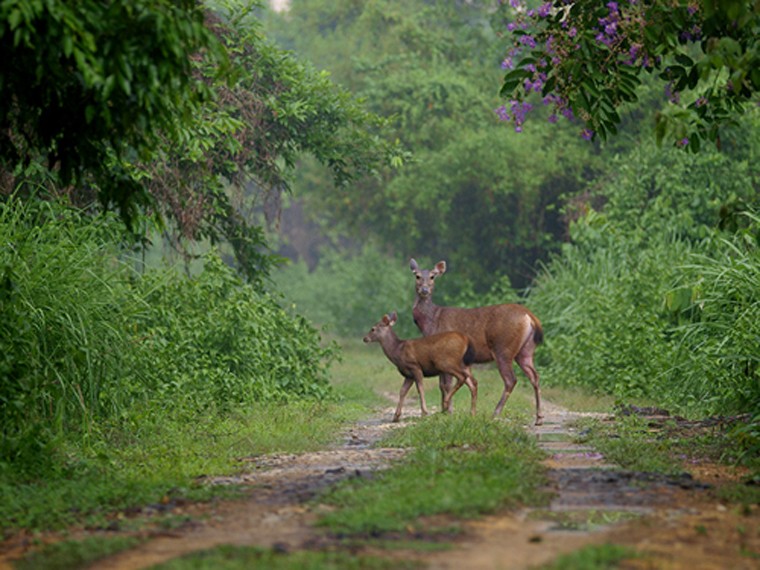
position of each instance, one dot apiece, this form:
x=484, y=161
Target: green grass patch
x=245, y=558
x=158, y=455
x=671, y=446
x=459, y=465
x=595, y=557
x=73, y=555
x=629, y=443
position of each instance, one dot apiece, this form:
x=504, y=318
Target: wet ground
x=674, y=519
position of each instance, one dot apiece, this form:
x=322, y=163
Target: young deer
x=446, y=353
x=504, y=333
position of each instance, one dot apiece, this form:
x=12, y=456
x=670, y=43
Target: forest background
x=345, y=137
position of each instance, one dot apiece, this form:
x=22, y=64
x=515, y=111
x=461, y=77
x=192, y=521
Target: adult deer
x=445, y=353
x=504, y=333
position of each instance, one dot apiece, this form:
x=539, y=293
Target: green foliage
x=70, y=555
x=86, y=339
x=651, y=300
x=588, y=57
x=594, y=557
x=348, y=295
x=239, y=152
x=87, y=86
x=484, y=200
x=215, y=338
x=459, y=465
x=66, y=302
x=153, y=453
x=242, y=558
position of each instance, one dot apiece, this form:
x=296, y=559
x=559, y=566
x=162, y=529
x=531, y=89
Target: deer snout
x=424, y=291
x=367, y=339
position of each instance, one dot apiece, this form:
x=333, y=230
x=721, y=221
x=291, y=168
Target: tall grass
x=671, y=320
x=65, y=302
x=86, y=339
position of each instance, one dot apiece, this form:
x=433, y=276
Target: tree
x=586, y=59
x=174, y=109
x=87, y=87
x=241, y=147
x=484, y=201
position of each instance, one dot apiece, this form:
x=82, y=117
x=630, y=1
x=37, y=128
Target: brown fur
x=445, y=353
x=504, y=333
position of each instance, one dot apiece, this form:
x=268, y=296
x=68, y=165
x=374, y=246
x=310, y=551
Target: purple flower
x=683, y=142
x=501, y=112
x=528, y=40
x=507, y=63
x=587, y=134
x=552, y=118
x=701, y=102
x=544, y=10
x=673, y=96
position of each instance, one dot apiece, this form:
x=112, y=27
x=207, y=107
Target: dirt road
x=675, y=520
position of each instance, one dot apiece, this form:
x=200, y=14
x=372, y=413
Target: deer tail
x=469, y=355
x=538, y=332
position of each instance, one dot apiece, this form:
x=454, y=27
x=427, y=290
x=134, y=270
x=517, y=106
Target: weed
x=243, y=558
x=72, y=555
x=596, y=557
x=459, y=465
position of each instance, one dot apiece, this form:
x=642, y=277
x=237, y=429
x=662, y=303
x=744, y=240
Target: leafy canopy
x=87, y=86
x=586, y=59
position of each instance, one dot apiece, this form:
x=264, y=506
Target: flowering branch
x=585, y=59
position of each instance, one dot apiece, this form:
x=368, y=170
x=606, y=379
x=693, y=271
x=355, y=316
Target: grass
x=157, y=457
x=670, y=447
x=244, y=558
x=72, y=555
x=595, y=557
x=459, y=466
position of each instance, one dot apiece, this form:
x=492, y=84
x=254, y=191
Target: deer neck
x=391, y=346
x=425, y=314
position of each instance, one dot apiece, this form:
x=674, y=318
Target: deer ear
x=413, y=265
x=392, y=317
x=441, y=266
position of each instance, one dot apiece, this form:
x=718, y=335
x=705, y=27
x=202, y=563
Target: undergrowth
x=457, y=465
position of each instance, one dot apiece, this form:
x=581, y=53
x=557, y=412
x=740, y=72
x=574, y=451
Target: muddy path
x=595, y=502
x=676, y=520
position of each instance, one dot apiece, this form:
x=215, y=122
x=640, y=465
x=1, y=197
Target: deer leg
x=445, y=382
x=450, y=393
x=525, y=361
x=418, y=380
x=472, y=384
x=402, y=394
x=510, y=380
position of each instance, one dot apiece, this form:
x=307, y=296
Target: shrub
x=213, y=339
x=86, y=338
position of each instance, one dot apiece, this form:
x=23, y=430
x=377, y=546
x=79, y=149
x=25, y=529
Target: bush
x=212, y=339
x=658, y=295
x=86, y=338
x=65, y=305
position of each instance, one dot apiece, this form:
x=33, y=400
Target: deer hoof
x=540, y=421
x=396, y=419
